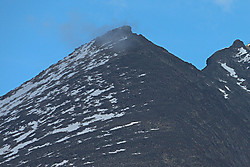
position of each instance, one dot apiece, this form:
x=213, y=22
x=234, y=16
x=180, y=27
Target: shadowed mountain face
x=120, y=100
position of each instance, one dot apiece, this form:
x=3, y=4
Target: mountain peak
x=122, y=29
x=115, y=34
x=121, y=100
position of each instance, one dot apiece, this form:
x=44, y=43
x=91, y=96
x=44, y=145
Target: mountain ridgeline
x=121, y=100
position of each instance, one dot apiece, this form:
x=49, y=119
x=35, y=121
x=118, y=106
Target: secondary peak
x=238, y=43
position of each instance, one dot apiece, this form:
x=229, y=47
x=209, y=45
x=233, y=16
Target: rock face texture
x=120, y=100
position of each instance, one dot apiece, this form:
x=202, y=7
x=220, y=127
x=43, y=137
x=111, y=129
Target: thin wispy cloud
x=225, y=4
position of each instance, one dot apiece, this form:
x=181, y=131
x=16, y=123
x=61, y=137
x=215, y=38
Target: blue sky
x=37, y=33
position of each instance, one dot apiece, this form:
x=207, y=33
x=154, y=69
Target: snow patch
x=87, y=130
x=242, y=51
x=4, y=149
x=18, y=147
x=123, y=38
x=224, y=93
x=240, y=54
x=234, y=75
x=141, y=75
x=117, y=151
x=107, y=145
x=227, y=88
x=69, y=128
x=61, y=163
x=121, y=142
x=222, y=80
x=89, y=162
x=229, y=69
x=62, y=139
x=34, y=126
x=41, y=146
x=123, y=126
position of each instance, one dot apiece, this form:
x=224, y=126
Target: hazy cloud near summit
x=79, y=29
x=74, y=31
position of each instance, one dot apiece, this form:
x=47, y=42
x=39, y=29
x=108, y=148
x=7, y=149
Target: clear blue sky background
x=37, y=33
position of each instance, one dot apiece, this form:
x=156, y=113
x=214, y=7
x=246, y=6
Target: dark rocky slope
x=120, y=100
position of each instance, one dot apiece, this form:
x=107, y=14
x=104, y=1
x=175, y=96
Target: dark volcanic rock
x=120, y=100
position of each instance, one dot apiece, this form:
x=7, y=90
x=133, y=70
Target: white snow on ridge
x=82, y=52
x=22, y=94
x=30, y=89
x=17, y=96
x=25, y=137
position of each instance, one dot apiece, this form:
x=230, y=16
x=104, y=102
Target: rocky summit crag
x=120, y=100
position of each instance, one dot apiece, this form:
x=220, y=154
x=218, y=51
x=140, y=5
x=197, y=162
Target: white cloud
x=225, y=4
